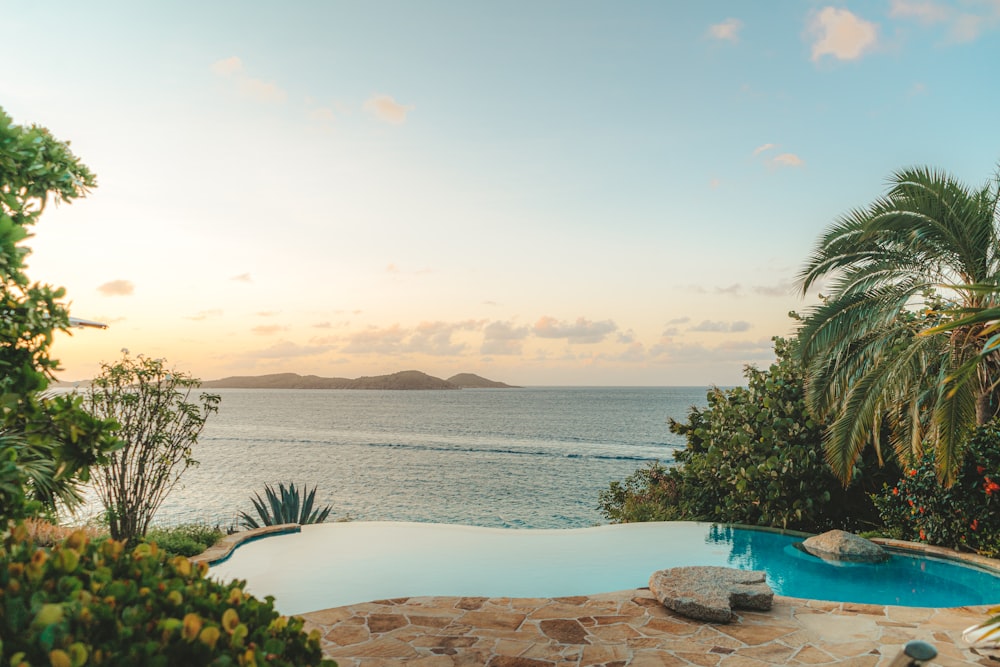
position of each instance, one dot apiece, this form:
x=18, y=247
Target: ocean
x=512, y=458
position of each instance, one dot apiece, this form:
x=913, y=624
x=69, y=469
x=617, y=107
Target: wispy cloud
x=232, y=68
x=204, y=314
x=762, y=148
x=841, y=34
x=268, y=329
x=783, y=288
x=117, y=288
x=242, y=278
x=964, y=25
x=387, y=109
x=504, y=338
x=582, y=331
x=711, y=326
x=787, y=160
x=728, y=30
x=284, y=349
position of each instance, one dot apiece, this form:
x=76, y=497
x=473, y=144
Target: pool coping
x=224, y=548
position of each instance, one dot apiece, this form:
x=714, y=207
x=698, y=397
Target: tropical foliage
x=875, y=351
x=189, y=539
x=158, y=426
x=753, y=456
x=47, y=443
x=81, y=603
x=284, y=506
x=965, y=515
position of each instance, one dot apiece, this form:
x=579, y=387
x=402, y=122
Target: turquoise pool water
x=336, y=564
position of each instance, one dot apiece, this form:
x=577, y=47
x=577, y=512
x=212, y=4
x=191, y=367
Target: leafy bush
x=649, y=494
x=48, y=442
x=84, y=603
x=158, y=426
x=753, y=456
x=188, y=539
x=284, y=506
x=965, y=515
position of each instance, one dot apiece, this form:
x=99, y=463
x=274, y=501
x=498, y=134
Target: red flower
x=911, y=502
x=990, y=486
x=895, y=491
x=974, y=524
x=922, y=536
x=980, y=469
x=921, y=510
x=913, y=472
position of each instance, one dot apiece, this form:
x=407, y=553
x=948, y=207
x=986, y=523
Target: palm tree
x=893, y=342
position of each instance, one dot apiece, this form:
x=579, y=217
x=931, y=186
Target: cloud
x=268, y=329
x=376, y=341
x=841, y=34
x=117, y=288
x=242, y=278
x=227, y=66
x=503, y=338
x=434, y=338
x=262, y=91
x=962, y=27
x=744, y=351
x=732, y=290
x=787, y=160
x=925, y=12
x=721, y=327
x=204, y=315
x=322, y=325
x=286, y=349
x=679, y=320
x=714, y=183
x=763, y=147
x=727, y=30
x=267, y=313
x=387, y=109
x=783, y=288
x=583, y=331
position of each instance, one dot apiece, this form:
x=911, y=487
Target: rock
x=710, y=593
x=839, y=545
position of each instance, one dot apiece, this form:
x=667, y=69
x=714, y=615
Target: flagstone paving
x=630, y=628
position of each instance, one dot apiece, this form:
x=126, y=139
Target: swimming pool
x=335, y=564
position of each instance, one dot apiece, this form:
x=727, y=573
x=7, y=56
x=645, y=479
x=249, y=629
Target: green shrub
x=965, y=515
x=188, y=539
x=649, y=494
x=284, y=506
x=753, y=456
x=99, y=604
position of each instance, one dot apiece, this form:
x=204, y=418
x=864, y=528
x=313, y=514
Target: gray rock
x=710, y=593
x=839, y=545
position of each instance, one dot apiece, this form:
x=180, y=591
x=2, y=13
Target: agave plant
x=284, y=506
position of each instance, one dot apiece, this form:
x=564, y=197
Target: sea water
x=508, y=458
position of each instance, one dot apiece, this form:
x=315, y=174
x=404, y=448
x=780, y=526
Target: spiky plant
x=285, y=505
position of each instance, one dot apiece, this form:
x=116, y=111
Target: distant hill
x=404, y=380
x=472, y=381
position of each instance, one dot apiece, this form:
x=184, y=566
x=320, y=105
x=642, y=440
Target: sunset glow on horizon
x=564, y=193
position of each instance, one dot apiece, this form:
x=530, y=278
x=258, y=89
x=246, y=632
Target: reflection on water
x=903, y=579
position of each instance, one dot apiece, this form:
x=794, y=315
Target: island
x=404, y=380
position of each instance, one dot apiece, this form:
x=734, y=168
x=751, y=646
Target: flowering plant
x=965, y=515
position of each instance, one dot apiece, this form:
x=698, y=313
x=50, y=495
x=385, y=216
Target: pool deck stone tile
x=631, y=629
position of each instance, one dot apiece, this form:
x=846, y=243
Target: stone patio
x=632, y=628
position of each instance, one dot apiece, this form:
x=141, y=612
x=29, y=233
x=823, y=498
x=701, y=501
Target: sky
x=557, y=193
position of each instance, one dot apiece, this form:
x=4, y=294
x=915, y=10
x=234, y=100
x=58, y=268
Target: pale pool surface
x=336, y=564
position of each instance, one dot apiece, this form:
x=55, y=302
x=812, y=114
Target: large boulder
x=710, y=593
x=839, y=545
